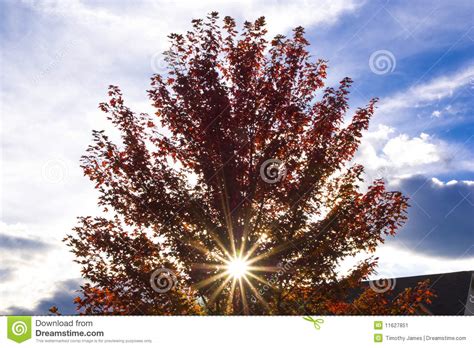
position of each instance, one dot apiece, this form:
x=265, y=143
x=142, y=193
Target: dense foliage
x=247, y=158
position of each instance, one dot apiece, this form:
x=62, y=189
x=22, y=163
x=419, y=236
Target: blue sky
x=58, y=57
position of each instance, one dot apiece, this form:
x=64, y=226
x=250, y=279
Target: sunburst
x=238, y=271
x=237, y=267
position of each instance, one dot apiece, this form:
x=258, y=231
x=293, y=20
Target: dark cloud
x=62, y=298
x=8, y=242
x=440, y=219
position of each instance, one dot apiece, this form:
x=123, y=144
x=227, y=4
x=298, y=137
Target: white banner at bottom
x=244, y=331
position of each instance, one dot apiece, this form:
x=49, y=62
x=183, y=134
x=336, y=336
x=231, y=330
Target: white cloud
x=436, y=113
x=428, y=92
x=403, y=150
x=451, y=182
x=397, y=260
x=34, y=269
x=384, y=155
x=390, y=264
x=281, y=15
x=389, y=156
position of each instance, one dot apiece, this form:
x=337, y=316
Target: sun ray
x=251, y=251
x=219, y=243
x=260, y=279
x=256, y=293
x=247, y=229
x=231, y=295
x=244, y=298
x=273, y=251
x=209, y=280
x=208, y=266
x=227, y=216
x=239, y=267
x=216, y=292
x=272, y=269
x=197, y=245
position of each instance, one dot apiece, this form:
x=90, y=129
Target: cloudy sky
x=58, y=57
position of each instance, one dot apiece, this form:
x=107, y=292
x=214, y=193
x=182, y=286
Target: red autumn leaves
x=184, y=187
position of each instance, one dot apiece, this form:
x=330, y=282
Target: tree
x=239, y=195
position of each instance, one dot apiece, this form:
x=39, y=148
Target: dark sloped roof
x=451, y=290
